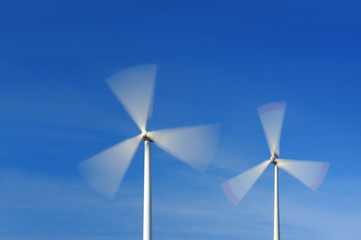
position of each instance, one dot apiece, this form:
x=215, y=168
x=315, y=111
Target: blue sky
x=217, y=62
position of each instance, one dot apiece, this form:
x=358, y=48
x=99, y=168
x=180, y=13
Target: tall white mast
x=147, y=210
x=276, y=217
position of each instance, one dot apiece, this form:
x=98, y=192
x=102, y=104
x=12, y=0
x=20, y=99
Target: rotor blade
x=309, y=173
x=195, y=145
x=134, y=89
x=105, y=171
x=237, y=187
x=272, y=117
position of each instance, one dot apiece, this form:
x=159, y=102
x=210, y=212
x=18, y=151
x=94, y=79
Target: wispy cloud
x=35, y=207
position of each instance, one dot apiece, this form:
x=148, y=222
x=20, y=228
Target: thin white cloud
x=40, y=208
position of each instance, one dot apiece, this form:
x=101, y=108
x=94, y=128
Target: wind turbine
x=309, y=173
x=193, y=145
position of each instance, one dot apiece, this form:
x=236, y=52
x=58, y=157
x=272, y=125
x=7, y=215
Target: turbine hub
x=145, y=136
x=274, y=159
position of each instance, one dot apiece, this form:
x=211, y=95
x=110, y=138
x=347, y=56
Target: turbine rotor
x=134, y=87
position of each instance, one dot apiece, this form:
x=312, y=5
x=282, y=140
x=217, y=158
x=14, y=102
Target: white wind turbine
x=193, y=145
x=309, y=173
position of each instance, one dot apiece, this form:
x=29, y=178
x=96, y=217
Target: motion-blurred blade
x=195, y=146
x=237, y=187
x=272, y=117
x=309, y=173
x=105, y=171
x=134, y=89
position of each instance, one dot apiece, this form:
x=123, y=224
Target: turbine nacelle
x=145, y=136
x=274, y=159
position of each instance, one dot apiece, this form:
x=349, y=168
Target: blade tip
x=271, y=106
x=321, y=176
x=230, y=194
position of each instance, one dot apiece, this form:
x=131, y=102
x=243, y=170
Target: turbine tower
x=309, y=173
x=193, y=145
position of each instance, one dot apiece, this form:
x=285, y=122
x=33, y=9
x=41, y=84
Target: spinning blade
x=235, y=188
x=272, y=117
x=195, y=146
x=134, y=89
x=105, y=171
x=309, y=173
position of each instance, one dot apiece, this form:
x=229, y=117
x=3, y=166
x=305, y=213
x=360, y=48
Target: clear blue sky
x=218, y=61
